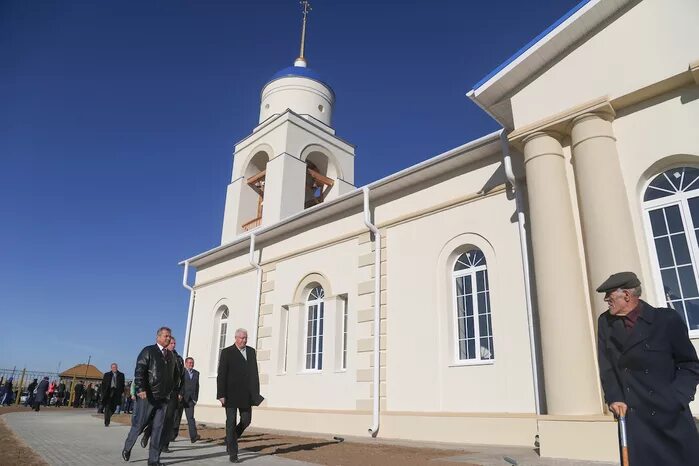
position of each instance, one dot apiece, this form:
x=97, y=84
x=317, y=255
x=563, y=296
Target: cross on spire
x=306, y=8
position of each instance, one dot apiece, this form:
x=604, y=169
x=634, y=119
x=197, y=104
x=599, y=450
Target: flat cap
x=623, y=280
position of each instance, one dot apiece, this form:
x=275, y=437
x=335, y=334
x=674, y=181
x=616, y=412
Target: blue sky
x=118, y=119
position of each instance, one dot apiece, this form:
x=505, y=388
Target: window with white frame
x=315, y=309
x=671, y=205
x=344, y=332
x=473, y=329
x=223, y=329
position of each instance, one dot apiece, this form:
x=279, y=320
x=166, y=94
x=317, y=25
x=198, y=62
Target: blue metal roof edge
x=531, y=43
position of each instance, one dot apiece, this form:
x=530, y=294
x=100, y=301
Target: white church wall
x=651, y=138
x=291, y=384
x=236, y=293
x=648, y=43
x=420, y=307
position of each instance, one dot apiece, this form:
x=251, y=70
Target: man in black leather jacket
x=170, y=430
x=155, y=378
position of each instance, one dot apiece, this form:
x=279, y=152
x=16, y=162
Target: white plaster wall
x=422, y=372
x=237, y=293
x=332, y=388
x=654, y=40
x=301, y=95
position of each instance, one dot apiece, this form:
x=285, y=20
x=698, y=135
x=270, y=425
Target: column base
x=591, y=438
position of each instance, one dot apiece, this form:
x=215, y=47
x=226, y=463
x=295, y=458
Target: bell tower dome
x=298, y=88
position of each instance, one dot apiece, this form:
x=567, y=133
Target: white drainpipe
x=507, y=162
x=374, y=429
x=258, y=291
x=192, y=294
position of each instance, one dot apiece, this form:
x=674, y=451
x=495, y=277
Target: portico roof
x=492, y=93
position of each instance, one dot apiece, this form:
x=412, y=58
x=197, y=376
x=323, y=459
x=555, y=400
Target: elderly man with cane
x=649, y=372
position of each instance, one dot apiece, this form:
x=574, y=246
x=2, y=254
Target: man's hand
x=618, y=408
x=179, y=397
x=142, y=395
x=223, y=401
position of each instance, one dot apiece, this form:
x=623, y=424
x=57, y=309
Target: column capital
x=561, y=123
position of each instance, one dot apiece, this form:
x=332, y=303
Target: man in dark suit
x=649, y=371
x=190, y=395
x=238, y=388
x=112, y=388
x=155, y=378
x=170, y=430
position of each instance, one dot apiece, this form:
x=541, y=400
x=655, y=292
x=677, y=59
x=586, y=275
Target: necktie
x=113, y=380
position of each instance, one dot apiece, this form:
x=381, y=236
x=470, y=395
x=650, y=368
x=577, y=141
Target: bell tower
x=292, y=160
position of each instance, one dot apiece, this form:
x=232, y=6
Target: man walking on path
x=190, y=395
x=155, y=377
x=40, y=396
x=112, y=387
x=238, y=388
x=649, y=372
x=30, y=393
x=171, y=411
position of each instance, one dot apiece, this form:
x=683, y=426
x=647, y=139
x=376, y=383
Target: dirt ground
x=320, y=451
x=14, y=451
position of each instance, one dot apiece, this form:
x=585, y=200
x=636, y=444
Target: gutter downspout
x=374, y=429
x=192, y=294
x=507, y=163
x=258, y=291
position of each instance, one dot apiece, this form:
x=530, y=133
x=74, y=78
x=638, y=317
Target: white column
x=610, y=245
x=570, y=374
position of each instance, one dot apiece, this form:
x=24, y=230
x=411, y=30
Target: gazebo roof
x=82, y=371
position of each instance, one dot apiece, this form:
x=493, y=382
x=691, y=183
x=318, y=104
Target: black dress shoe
x=144, y=441
x=198, y=437
x=166, y=450
x=126, y=454
x=156, y=464
x=234, y=459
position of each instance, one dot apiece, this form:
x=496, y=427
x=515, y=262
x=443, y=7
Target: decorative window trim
x=678, y=198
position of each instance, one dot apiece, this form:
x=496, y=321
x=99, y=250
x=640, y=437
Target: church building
x=454, y=301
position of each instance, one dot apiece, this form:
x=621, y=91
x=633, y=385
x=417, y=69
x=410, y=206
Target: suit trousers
x=177, y=420
x=233, y=431
x=170, y=414
x=191, y=423
x=109, y=405
x=146, y=410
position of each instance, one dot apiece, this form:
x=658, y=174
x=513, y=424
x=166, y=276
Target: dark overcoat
x=106, y=386
x=655, y=371
x=238, y=379
x=41, y=390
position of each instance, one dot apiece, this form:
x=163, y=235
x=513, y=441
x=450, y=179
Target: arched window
x=671, y=205
x=223, y=330
x=474, y=330
x=314, y=329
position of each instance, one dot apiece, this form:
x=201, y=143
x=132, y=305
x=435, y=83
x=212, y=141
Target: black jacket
x=655, y=371
x=107, y=384
x=238, y=379
x=154, y=374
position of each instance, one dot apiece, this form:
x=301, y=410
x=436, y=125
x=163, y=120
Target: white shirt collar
x=161, y=347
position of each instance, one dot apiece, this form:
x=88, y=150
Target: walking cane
x=624, y=441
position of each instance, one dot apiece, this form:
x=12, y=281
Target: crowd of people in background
x=44, y=392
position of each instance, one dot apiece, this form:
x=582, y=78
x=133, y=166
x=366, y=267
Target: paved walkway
x=78, y=438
